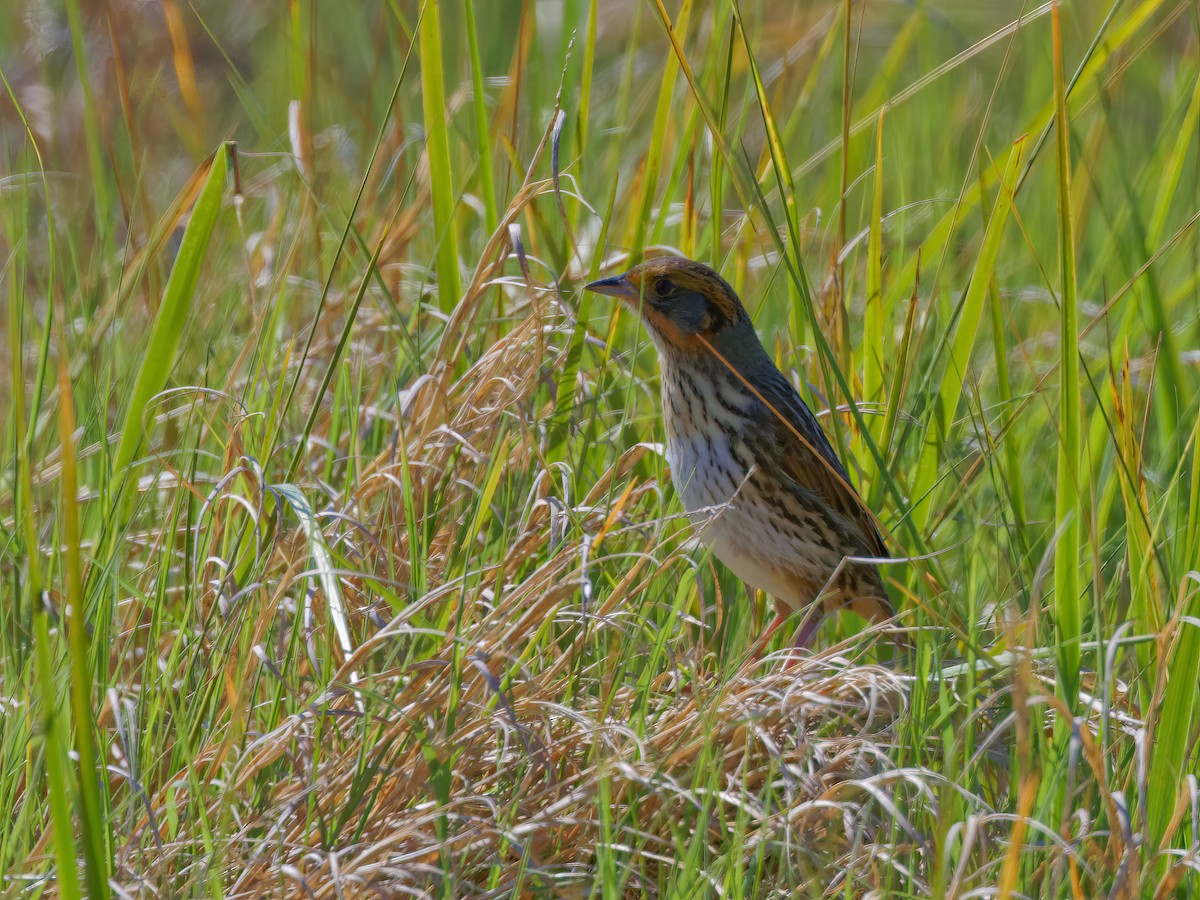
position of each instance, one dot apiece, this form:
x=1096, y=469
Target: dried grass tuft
x=502, y=729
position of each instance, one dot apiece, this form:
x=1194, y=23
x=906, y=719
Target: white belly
x=722, y=501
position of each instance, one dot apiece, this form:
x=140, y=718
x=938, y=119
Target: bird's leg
x=805, y=633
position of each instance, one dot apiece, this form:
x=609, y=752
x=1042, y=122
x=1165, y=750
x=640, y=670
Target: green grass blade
x=874, y=319
x=585, y=76
x=1174, y=720
x=437, y=143
x=1145, y=600
x=92, y=820
x=23, y=506
x=167, y=330
x=56, y=732
x=1068, y=613
x=483, y=147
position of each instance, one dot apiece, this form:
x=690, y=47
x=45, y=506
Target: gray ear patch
x=690, y=312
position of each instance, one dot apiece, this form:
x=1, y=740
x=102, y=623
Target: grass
x=380, y=583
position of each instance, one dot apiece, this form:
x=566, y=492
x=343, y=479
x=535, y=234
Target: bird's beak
x=616, y=286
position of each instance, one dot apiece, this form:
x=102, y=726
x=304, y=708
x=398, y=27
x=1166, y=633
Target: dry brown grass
x=492, y=734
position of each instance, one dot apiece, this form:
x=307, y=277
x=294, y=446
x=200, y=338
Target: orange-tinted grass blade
x=765, y=637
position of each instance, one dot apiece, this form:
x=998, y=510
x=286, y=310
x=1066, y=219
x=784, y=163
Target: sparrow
x=757, y=476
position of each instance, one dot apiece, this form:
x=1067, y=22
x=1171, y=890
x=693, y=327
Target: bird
x=757, y=476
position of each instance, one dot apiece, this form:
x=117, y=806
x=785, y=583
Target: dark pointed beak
x=616, y=286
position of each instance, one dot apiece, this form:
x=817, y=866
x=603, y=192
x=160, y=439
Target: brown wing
x=806, y=458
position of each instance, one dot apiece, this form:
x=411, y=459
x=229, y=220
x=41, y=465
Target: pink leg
x=805, y=635
x=807, y=631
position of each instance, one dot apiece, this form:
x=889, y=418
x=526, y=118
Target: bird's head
x=682, y=302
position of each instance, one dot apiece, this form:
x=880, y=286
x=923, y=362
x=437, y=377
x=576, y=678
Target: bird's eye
x=662, y=287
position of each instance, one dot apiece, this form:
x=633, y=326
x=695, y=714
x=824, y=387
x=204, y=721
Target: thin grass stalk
x=716, y=174
x=1145, y=600
x=23, y=505
x=56, y=730
x=585, y=77
x=690, y=226
x=1172, y=171
x=128, y=118
x=874, y=350
x=349, y=319
x=814, y=82
x=1191, y=545
x=901, y=370
x=24, y=424
x=1068, y=613
x=92, y=816
x=847, y=109
x=437, y=149
x=483, y=148
x=284, y=398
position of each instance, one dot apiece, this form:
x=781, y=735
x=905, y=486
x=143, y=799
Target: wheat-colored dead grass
x=489, y=733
